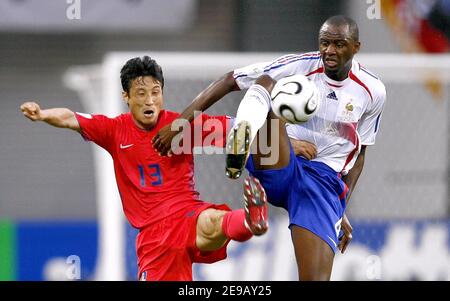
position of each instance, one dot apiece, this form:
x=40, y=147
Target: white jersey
x=349, y=113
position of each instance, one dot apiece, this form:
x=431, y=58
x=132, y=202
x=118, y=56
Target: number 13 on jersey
x=153, y=172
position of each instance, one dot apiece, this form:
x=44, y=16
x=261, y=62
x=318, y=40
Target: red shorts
x=167, y=250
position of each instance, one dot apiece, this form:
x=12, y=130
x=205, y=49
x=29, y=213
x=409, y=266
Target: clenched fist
x=31, y=110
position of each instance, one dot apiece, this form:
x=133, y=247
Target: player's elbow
x=71, y=122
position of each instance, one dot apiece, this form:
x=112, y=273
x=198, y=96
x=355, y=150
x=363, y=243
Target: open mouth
x=331, y=63
x=149, y=113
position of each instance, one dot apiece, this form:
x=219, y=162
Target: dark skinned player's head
x=338, y=43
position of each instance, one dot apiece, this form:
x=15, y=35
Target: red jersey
x=151, y=187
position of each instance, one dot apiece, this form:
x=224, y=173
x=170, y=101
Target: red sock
x=233, y=226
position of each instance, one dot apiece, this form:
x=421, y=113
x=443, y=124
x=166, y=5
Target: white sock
x=254, y=108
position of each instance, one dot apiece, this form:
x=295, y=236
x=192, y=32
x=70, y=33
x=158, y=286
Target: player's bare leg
x=215, y=227
x=278, y=146
x=314, y=256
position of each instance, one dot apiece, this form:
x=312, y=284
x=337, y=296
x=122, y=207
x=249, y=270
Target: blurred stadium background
x=59, y=206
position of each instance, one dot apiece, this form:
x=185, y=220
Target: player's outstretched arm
x=57, y=117
x=210, y=95
x=218, y=89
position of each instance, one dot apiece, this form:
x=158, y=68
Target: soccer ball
x=295, y=99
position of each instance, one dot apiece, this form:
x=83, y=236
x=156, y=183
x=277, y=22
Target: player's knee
x=266, y=81
x=209, y=224
x=210, y=236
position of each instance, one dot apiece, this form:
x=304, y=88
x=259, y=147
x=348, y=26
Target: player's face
x=145, y=101
x=337, y=48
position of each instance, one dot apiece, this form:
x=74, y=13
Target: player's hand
x=347, y=237
x=32, y=111
x=304, y=148
x=162, y=141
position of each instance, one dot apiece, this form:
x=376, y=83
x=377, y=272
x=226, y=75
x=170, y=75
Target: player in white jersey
x=314, y=192
x=350, y=109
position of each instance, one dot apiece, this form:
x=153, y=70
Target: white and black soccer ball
x=295, y=99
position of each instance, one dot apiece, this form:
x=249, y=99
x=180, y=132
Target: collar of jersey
x=335, y=83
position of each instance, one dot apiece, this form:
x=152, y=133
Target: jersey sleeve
x=97, y=128
x=369, y=124
x=283, y=66
x=210, y=130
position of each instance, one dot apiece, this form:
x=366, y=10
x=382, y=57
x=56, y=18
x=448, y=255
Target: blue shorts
x=312, y=193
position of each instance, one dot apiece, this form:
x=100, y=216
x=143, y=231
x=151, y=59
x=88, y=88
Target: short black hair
x=137, y=67
x=343, y=21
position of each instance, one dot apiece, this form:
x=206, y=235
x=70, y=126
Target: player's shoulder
x=307, y=58
x=300, y=63
x=370, y=79
x=170, y=114
x=122, y=118
x=292, y=57
x=166, y=117
x=102, y=117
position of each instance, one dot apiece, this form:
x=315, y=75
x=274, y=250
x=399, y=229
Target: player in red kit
x=158, y=195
